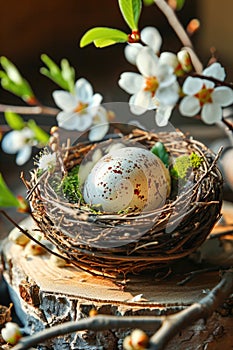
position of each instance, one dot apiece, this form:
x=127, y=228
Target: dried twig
x=173, y=324
x=28, y=110
x=169, y=325
x=180, y=32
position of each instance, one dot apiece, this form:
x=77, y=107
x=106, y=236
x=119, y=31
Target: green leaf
x=40, y=135
x=148, y=2
x=160, y=151
x=14, y=120
x=131, y=10
x=103, y=36
x=7, y=199
x=64, y=76
x=12, y=80
x=179, y=4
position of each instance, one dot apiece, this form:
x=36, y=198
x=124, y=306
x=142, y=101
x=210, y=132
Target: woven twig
x=110, y=244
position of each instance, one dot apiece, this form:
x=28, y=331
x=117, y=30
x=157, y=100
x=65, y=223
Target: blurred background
x=29, y=28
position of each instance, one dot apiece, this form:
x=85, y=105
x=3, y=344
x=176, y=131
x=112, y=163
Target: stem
x=180, y=32
x=173, y=324
x=30, y=110
x=96, y=323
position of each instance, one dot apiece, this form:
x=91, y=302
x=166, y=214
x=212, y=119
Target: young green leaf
x=179, y=4
x=14, y=120
x=40, y=135
x=148, y=2
x=103, y=36
x=64, y=76
x=160, y=151
x=131, y=10
x=12, y=80
x=7, y=199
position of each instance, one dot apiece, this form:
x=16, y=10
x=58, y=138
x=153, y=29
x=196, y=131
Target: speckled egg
x=130, y=178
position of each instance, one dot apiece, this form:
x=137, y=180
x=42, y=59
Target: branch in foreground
x=169, y=325
x=35, y=110
x=173, y=324
x=96, y=323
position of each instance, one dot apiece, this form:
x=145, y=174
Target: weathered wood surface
x=45, y=295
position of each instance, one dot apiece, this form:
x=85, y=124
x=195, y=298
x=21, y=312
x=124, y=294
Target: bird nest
x=117, y=244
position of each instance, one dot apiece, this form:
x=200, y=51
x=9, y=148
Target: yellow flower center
x=151, y=85
x=80, y=107
x=204, y=95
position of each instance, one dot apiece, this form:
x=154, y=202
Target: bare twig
x=180, y=32
x=173, y=324
x=27, y=110
x=96, y=323
x=169, y=325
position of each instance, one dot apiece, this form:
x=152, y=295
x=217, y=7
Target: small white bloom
x=20, y=142
x=154, y=86
x=11, y=333
x=151, y=37
x=203, y=97
x=47, y=161
x=79, y=108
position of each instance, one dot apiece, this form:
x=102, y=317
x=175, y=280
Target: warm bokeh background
x=29, y=28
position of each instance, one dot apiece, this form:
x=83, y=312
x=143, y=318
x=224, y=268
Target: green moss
x=184, y=164
x=70, y=186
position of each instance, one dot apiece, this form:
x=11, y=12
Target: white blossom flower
x=155, y=86
x=20, y=142
x=151, y=37
x=100, y=125
x=11, y=333
x=204, y=97
x=79, y=108
x=47, y=161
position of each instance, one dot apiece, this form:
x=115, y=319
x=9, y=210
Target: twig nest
x=160, y=228
x=131, y=179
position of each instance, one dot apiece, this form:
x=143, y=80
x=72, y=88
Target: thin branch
x=96, y=323
x=174, y=324
x=35, y=110
x=180, y=32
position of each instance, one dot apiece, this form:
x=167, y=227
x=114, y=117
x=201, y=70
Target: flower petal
x=10, y=144
x=81, y=122
x=163, y=114
x=64, y=100
x=131, y=82
x=135, y=109
x=192, y=85
x=131, y=51
x=211, y=113
x=23, y=155
x=147, y=62
x=151, y=37
x=168, y=96
x=98, y=131
x=142, y=99
x=223, y=96
x=189, y=106
x=169, y=58
x=215, y=70
x=83, y=90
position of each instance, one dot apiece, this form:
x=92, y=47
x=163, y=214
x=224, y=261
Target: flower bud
x=139, y=339
x=169, y=58
x=185, y=60
x=11, y=333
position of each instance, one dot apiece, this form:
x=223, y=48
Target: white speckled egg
x=130, y=177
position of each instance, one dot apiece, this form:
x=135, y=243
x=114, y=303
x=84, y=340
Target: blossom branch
x=27, y=110
x=169, y=325
x=180, y=32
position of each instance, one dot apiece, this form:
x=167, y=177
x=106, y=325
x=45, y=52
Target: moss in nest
x=70, y=185
x=184, y=164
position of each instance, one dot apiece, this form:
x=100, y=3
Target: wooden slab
x=45, y=295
